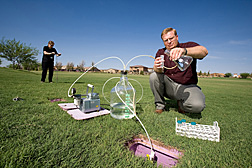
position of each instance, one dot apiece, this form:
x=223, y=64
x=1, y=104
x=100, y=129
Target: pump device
x=88, y=104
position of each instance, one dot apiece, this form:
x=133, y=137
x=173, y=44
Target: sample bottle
x=183, y=62
x=123, y=90
x=162, y=59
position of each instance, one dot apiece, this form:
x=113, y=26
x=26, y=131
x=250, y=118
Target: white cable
x=124, y=67
x=138, y=57
x=127, y=105
x=91, y=68
x=151, y=57
x=104, y=86
x=141, y=88
x=134, y=114
x=119, y=77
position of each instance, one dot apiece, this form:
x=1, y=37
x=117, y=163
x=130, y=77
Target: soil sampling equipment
x=88, y=104
x=123, y=106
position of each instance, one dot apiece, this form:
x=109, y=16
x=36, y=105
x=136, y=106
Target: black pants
x=45, y=66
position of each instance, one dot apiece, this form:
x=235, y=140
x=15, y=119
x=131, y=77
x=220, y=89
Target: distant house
x=63, y=68
x=137, y=69
x=236, y=75
x=217, y=75
x=111, y=70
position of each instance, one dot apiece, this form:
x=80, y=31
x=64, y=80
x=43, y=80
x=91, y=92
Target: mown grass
x=37, y=133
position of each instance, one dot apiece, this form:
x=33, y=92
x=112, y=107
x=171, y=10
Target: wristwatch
x=185, y=51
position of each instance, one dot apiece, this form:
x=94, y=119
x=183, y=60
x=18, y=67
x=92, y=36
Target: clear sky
x=92, y=30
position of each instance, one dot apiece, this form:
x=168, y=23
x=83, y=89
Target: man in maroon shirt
x=173, y=83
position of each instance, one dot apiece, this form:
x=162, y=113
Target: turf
x=37, y=133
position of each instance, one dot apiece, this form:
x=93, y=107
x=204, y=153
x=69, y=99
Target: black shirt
x=48, y=58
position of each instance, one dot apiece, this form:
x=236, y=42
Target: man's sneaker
x=180, y=110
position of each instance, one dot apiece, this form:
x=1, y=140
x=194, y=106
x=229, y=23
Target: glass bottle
x=118, y=109
x=183, y=62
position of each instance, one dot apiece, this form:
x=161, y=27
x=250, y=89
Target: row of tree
x=70, y=66
x=24, y=57
x=243, y=75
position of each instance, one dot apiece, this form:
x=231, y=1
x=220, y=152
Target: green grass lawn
x=37, y=133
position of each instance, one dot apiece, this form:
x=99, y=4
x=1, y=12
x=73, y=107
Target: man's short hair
x=51, y=42
x=166, y=30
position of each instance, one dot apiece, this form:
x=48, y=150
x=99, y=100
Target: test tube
x=193, y=124
x=183, y=122
x=178, y=127
x=179, y=123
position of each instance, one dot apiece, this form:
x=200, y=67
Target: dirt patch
x=57, y=100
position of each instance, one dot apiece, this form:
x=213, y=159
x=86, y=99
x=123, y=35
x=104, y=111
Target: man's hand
x=176, y=53
x=59, y=54
x=157, y=63
x=198, y=52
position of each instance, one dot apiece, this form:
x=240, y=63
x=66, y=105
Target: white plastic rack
x=193, y=130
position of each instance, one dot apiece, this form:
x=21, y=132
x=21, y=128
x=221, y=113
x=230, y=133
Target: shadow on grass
x=69, y=82
x=170, y=105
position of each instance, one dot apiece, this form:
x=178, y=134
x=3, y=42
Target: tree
x=93, y=68
x=200, y=73
x=70, y=66
x=31, y=64
x=228, y=75
x=81, y=66
x=58, y=65
x=244, y=75
x=17, y=52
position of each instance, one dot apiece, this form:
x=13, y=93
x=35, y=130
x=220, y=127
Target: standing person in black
x=48, y=60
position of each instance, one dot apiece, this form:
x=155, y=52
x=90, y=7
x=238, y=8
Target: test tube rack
x=193, y=130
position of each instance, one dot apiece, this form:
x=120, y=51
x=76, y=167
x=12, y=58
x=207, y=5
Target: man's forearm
x=198, y=52
x=47, y=53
